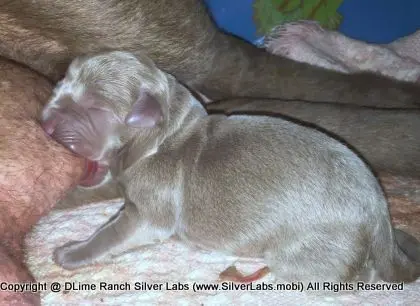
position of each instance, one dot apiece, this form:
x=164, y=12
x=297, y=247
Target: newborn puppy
x=244, y=185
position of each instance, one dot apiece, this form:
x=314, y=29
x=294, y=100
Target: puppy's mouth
x=94, y=174
x=95, y=171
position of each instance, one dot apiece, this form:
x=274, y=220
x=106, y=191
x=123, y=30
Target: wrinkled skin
x=83, y=120
x=82, y=114
x=35, y=171
x=71, y=124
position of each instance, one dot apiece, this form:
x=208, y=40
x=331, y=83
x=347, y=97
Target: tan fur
x=182, y=39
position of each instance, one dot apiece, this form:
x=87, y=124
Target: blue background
x=375, y=21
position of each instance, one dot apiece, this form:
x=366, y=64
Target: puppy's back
x=262, y=168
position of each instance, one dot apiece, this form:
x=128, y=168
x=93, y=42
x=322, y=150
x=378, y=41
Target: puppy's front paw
x=72, y=255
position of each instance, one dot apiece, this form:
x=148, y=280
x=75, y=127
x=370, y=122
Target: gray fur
x=182, y=39
x=389, y=139
x=244, y=185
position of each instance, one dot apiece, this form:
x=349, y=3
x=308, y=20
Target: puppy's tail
x=396, y=254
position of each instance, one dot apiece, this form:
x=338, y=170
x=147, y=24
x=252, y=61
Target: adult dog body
x=182, y=39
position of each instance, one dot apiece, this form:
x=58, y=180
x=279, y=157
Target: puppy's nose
x=49, y=125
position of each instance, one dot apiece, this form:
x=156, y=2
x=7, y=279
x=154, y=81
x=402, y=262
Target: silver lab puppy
x=245, y=185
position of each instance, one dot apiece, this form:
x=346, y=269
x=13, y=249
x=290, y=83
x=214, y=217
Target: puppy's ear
x=146, y=112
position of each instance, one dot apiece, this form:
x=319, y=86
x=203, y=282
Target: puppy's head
x=102, y=99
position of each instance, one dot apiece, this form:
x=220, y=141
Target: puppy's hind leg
x=125, y=229
x=319, y=256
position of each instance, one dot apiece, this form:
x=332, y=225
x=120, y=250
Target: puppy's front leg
x=127, y=226
x=110, y=235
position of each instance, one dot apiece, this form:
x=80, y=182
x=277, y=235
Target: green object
x=271, y=13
